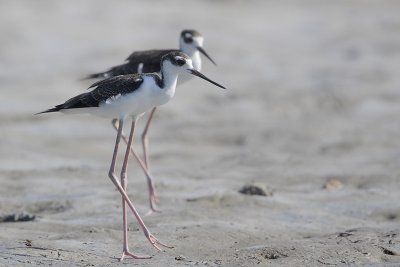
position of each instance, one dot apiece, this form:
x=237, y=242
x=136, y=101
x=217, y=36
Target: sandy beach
x=311, y=114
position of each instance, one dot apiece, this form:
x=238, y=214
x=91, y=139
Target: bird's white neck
x=169, y=75
x=194, y=54
x=196, y=60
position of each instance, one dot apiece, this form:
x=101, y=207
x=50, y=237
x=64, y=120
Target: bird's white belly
x=136, y=103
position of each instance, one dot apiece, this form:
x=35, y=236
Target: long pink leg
x=145, y=144
x=154, y=241
x=125, y=248
x=145, y=139
x=152, y=195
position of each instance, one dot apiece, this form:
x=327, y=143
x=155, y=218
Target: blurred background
x=311, y=116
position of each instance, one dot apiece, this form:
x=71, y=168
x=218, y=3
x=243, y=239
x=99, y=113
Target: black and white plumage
x=130, y=96
x=190, y=43
x=105, y=90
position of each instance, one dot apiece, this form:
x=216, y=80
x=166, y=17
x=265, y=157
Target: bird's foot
x=152, y=210
x=153, y=204
x=127, y=253
x=154, y=241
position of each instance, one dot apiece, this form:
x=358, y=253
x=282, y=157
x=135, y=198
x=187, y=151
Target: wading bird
x=129, y=96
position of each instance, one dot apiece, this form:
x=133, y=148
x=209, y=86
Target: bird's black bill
x=206, y=55
x=199, y=74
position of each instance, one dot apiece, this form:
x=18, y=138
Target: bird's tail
x=55, y=109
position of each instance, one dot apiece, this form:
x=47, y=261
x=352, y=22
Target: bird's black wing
x=105, y=89
x=149, y=58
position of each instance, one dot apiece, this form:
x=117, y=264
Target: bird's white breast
x=143, y=99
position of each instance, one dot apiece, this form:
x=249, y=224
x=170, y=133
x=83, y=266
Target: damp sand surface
x=310, y=123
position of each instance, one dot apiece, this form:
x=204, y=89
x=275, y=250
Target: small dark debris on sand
x=388, y=251
x=180, y=258
x=17, y=217
x=344, y=234
x=28, y=243
x=256, y=189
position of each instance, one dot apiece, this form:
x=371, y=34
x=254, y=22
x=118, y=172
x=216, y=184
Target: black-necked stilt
x=190, y=43
x=130, y=96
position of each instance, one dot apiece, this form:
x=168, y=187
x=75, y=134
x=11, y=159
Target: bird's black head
x=176, y=58
x=188, y=35
x=191, y=41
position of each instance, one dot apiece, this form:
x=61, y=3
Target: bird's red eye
x=188, y=40
x=180, y=61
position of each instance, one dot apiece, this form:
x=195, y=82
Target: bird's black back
x=149, y=58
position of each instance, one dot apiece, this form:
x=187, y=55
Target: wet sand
x=312, y=114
